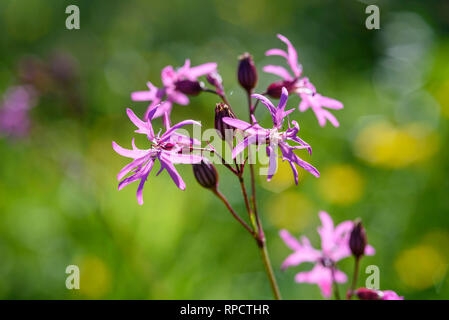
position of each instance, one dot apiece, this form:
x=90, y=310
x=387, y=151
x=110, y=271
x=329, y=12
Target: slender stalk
x=234, y=214
x=260, y=233
x=334, y=284
x=354, y=278
x=269, y=270
x=221, y=95
x=245, y=197
x=252, y=174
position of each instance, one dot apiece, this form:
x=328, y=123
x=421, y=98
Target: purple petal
x=252, y=139
x=278, y=71
x=326, y=231
x=169, y=132
x=324, y=115
x=283, y=99
x=142, y=96
x=236, y=123
x=177, y=97
x=201, y=70
x=369, y=250
x=295, y=172
x=318, y=275
x=289, y=155
x=330, y=103
x=134, y=154
x=143, y=127
x=160, y=110
x=289, y=240
x=167, y=165
x=128, y=180
x=390, y=295
x=126, y=169
x=146, y=171
x=276, y=52
x=168, y=76
x=266, y=102
x=188, y=158
x=292, y=56
x=272, y=164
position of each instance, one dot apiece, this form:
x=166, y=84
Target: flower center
x=326, y=262
x=275, y=136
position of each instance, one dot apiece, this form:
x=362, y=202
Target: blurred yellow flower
x=384, y=145
x=291, y=210
x=94, y=277
x=440, y=239
x=341, y=184
x=282, y=179
x=421, y=267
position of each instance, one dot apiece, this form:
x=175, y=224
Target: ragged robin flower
x=334, y=247
x=300, y=85
x=169, y=148
x=274, y=137
x=177, y=84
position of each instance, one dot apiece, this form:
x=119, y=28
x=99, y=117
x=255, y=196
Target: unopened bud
x=367, y=294
x=214, y=79
x=189, y=87
x=357, y=240
x=223, y=111
x=246, y=72
x=206, y=174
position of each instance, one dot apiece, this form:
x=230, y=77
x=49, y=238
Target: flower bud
x=367, y=294
x=214, y=79
x=189, y=87
x=206, y=174
x=222, y=111
x=246, y=72
x=357, y=240
x=274, y=90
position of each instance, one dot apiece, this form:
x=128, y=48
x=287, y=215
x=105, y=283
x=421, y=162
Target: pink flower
x=14, y=111
x=334, y=247
x=371, y=294
x=169, y=148
x=274, y=137
x=300, y=85
x=177, y=84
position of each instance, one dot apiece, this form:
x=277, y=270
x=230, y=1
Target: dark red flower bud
x=189, y=87
x=214, y=79
x=274, y=90
x=367, y=294
x=206, y=174
x=357, y=240
x=222, y=111
x=246, y=72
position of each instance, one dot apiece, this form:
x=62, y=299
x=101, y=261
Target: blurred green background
x=387, y=163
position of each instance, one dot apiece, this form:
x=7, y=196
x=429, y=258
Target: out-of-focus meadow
x=387, y=163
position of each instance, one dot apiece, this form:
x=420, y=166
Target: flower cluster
x=177, y=84
x=300, y=85
x=280, y=140
x=337, y=243
x=274, y=137
x=169, y=148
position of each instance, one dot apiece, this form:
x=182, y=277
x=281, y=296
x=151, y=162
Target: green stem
x=231, y=210
x=260, y=233
x=354, y=278
x=269, y=270
x=334, y=284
